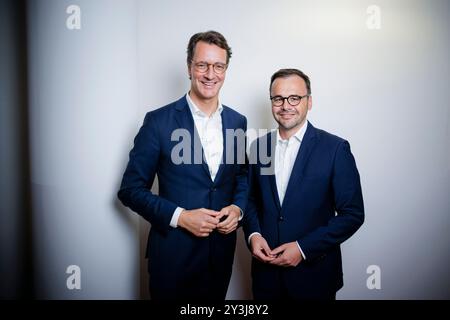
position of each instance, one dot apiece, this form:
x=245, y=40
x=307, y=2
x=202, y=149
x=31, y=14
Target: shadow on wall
x=240, y=284
x=144, y=229
x=16, y=263
x=265, y=120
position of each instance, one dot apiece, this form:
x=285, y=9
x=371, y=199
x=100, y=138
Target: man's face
x=206, y=85
x=290, y=118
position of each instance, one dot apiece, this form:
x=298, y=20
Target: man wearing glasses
x=193, y=219
x=301, y=210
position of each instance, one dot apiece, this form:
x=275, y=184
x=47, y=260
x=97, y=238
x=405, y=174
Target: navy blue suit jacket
x=182, y=265
x=322, y=207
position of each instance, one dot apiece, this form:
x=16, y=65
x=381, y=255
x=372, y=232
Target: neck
x=208, y=106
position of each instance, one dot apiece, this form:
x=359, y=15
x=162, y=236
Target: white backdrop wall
x=83, y=108
x=385, y=90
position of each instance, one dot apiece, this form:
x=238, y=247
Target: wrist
x=181, y=218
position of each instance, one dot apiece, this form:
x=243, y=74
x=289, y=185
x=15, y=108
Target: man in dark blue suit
x=201, y=196
x=305, y=200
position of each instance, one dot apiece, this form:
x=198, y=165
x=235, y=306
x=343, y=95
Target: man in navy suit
x=201, y=197
x=305, y=200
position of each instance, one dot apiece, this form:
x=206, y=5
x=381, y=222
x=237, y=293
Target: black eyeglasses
x=218, y=67
x=293, y=100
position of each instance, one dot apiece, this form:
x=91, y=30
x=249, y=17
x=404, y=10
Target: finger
x=233, y=226
x=261, y=256
x=222, y=231
x=283, y=261
x=209, y=223
x=265, y=248
x=225, y=222
x=231, y=229
x=212, y=213
x=258, y=258
x=203, y=234
x=223, y=214
x=277, y=261
x=208, y=226
x=211, y=220
x=226, y=231
x=279, y=249
x=220, y=215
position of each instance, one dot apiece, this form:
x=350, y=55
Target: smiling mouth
x=209, y=84
x=286, y=115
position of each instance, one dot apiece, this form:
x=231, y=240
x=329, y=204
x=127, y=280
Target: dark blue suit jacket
x=180, y=264
x=322, y=207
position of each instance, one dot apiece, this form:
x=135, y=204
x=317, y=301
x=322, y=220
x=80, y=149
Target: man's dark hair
x=284, y=73
x=210, y=37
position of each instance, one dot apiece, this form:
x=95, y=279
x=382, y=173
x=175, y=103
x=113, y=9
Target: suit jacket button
x=281, y=218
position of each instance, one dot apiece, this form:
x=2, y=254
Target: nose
x=285, y=105
x=210, y=72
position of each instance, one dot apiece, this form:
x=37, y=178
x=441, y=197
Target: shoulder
x=166, y=112
x=233, y=113
x=263, y=141
x=331, y=144
x=325, y=136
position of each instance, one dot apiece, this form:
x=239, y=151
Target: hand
x=230, y=224
x=260, y=248
x=288, y=255
x=199, y=222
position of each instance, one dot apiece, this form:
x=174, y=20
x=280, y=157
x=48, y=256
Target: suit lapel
x=226, y=124
x=271, y=144
x=185, y=120
x=306, y=147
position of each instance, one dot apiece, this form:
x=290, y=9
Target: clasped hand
x=286, y=255
x=201, y=222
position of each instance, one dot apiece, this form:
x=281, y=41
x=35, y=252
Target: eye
x=201, y=65
x=277, y=99
x=219, y=67
x=294, y=98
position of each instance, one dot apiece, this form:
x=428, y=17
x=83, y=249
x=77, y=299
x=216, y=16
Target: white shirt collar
x=298, y=135
x=196, y=110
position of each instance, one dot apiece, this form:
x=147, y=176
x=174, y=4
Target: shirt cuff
x=175, y=216
x=242, y=212
x=301, y=251
x=250, y=236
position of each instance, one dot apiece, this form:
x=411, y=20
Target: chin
x=209, y=95
x=288, y=126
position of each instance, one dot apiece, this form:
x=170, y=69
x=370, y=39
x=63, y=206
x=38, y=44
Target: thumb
x=265, y=248
x=279, y=249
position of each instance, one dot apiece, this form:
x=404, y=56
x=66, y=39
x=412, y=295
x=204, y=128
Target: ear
x=309, y=102
x=189, y=71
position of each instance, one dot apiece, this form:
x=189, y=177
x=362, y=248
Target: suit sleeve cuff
x=299, y=248
x=175, y=216
x=250, y=236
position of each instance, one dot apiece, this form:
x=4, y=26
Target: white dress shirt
x=285, y=155
x=209, y=130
